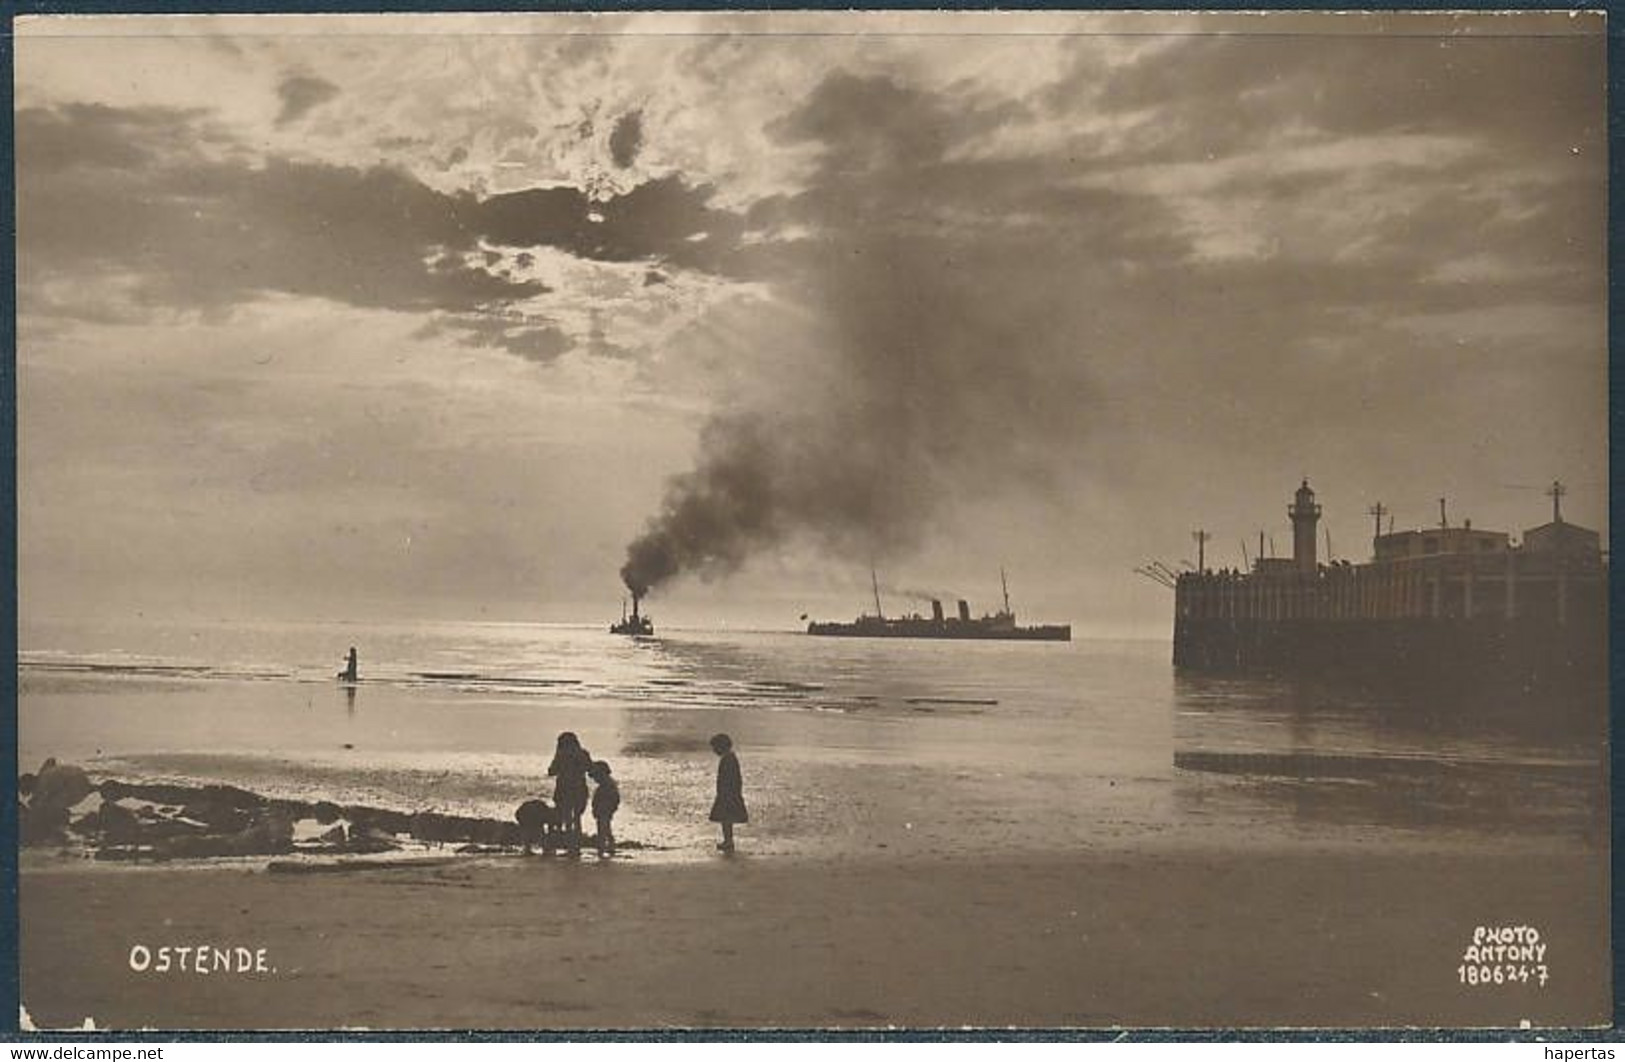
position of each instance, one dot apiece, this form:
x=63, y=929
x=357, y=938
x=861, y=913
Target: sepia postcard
x=812, y=520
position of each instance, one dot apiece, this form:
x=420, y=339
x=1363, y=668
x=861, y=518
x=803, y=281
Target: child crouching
x=538, y=825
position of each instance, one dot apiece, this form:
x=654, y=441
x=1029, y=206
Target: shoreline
x=1042, y=863
x=1095, y=939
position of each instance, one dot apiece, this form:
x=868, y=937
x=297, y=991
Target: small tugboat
x=635, y=624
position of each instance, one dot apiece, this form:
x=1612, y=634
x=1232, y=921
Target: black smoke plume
x=923, y=390
x=928, y=360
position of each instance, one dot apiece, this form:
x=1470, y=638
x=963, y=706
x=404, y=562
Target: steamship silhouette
x=1000, y=625
x=1453, y=604
x=635, y=624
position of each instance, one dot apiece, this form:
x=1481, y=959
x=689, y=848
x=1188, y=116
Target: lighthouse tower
x=1305, y=516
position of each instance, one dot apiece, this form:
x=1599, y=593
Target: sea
x=850, y=748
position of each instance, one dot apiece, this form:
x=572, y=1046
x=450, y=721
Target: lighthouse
x=1305, y=516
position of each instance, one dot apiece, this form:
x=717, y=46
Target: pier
x=1440, y=600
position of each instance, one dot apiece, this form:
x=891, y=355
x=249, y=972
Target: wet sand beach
x=940, y=836
x=1307, y=937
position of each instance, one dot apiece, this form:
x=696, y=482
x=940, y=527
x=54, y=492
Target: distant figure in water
x=350, y=672
x=729, y=806
x=570, y=765
x=606, y=798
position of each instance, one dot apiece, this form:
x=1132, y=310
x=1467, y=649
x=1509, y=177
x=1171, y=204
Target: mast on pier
x=1377, y=512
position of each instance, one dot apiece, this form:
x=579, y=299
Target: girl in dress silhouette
x=569, y=769
x=729, y=807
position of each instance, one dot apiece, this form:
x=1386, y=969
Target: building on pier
x=1441, y=601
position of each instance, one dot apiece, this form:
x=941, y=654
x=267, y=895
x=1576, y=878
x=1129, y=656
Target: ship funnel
x=936, y=611
x=964, y=611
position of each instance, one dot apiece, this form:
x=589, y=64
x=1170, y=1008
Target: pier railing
x=1510, y=585
x=1533, y=620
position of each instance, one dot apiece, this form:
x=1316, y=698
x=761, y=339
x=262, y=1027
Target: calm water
x=849, y=746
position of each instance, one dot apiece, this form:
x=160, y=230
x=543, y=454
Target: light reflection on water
x=1322, y=757
x=848, y=745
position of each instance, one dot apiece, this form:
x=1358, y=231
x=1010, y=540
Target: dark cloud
x=532, y=338
x=977, y=317
x=206, y=231
x=300, y=94
x=85, y=137
x=1220, y=95
x=937, y=363
x=160, y=198
x=665, y=219
x=875, y=124
x=626, y=139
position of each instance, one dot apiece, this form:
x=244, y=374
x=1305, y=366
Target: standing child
x=606, y=798
x=729, y=806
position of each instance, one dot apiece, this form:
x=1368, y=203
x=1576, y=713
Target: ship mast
x=1006, y=584
x=874, y=580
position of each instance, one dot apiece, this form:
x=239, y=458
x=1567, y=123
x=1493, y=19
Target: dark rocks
x=115, y=823
x=437, y=828
x=395, y=822
x=493, y=833
x=160, y=821
x=52, y=795
x=59, y=785
x=160, y=829
x=219, y=817
x=152, y=792
x=431, y=827
x=231, y=796
x=271, y=835
x=42, y=827
x=368, y=844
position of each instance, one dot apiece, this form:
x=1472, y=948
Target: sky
x=489, y=317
